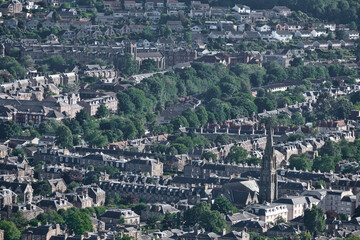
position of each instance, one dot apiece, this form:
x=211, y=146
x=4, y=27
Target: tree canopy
x=314, y=220
x=11, y=232
x=210, y=220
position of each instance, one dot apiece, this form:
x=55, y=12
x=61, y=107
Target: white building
x=296, y=205
x=282, y=36
x=241, y=9
x=337, y=200
x=263, y=28
x=269, y=212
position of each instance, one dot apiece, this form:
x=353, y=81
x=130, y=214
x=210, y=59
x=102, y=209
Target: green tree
x=342, y=108
x=72, y=185
x=331, y=149
x=102, y=112
x=212, y=221
x=179, y=121
x=181, y=148
x=138, y=98
x=50, y=217
x=253, y=161
x=64, y=138
x=78, y=222
x=264, y=103
x=8, y=129
x=320, y=184
x=125, y=105
x=153, y=221
x=202, y=115
x=355, y=97
x=274, y=72
x=223, y=205
x=324, y=163
x=121, y=220
x=56, y=63
x=95, y=138
x=165, y=31
x=11, y=232
x=42, y=188
x=148, y=66
x=237, y=155
x=191, y=117
x=314, y=220
x=300, y=162
x=126, y=65
x=74, y=126
x=18, y=152
x=12, y=66
x=188, y=37
x=213, y=92
x=20, y=220
x=297, y=62
x=192, y=215
x=138, y=208
x=82, y=116
x=27, y=61
x=201, y=213
x=209, y=156
x=297, y=119
x=48, y=126
x=296, y=137
x=171, y=221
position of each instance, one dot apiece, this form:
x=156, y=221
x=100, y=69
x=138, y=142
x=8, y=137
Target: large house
x=11, y=8
x=92, y=104
x=42, y=232
x=269, y=212
x=144, y=165
x=113, y=217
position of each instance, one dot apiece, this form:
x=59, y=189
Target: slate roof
x=118, y=213
x=241, y=216
x=99, y=157
x=163, y=208
x=41, y=230
x=250, y=224
x=282, y=227
x=143, y=161
x=235, y=235
x=14, y=185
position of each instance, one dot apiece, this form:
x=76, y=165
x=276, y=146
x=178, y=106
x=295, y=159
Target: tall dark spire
x=268, y=178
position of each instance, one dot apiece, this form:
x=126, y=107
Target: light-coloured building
x=113, y=216
x=337, y=200
x=42, y=232
x=269, y=212
x=91, y=105
x=145, y=165
x=296, y=205
x=7, y=198
x=57, y=185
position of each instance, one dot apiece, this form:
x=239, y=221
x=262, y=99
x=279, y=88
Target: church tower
x=268, y=178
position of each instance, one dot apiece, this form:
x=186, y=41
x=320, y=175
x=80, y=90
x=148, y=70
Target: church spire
x=268, y=178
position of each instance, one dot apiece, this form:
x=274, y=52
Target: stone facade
x=91, y=105
x=268, y=178
x=112, y=217
x=42, y=233
x=144, y=165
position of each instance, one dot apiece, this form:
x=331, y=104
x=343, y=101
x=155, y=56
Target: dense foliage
x=329, y=155
x=210, y=220
x=314, y=220
x=340, y=11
